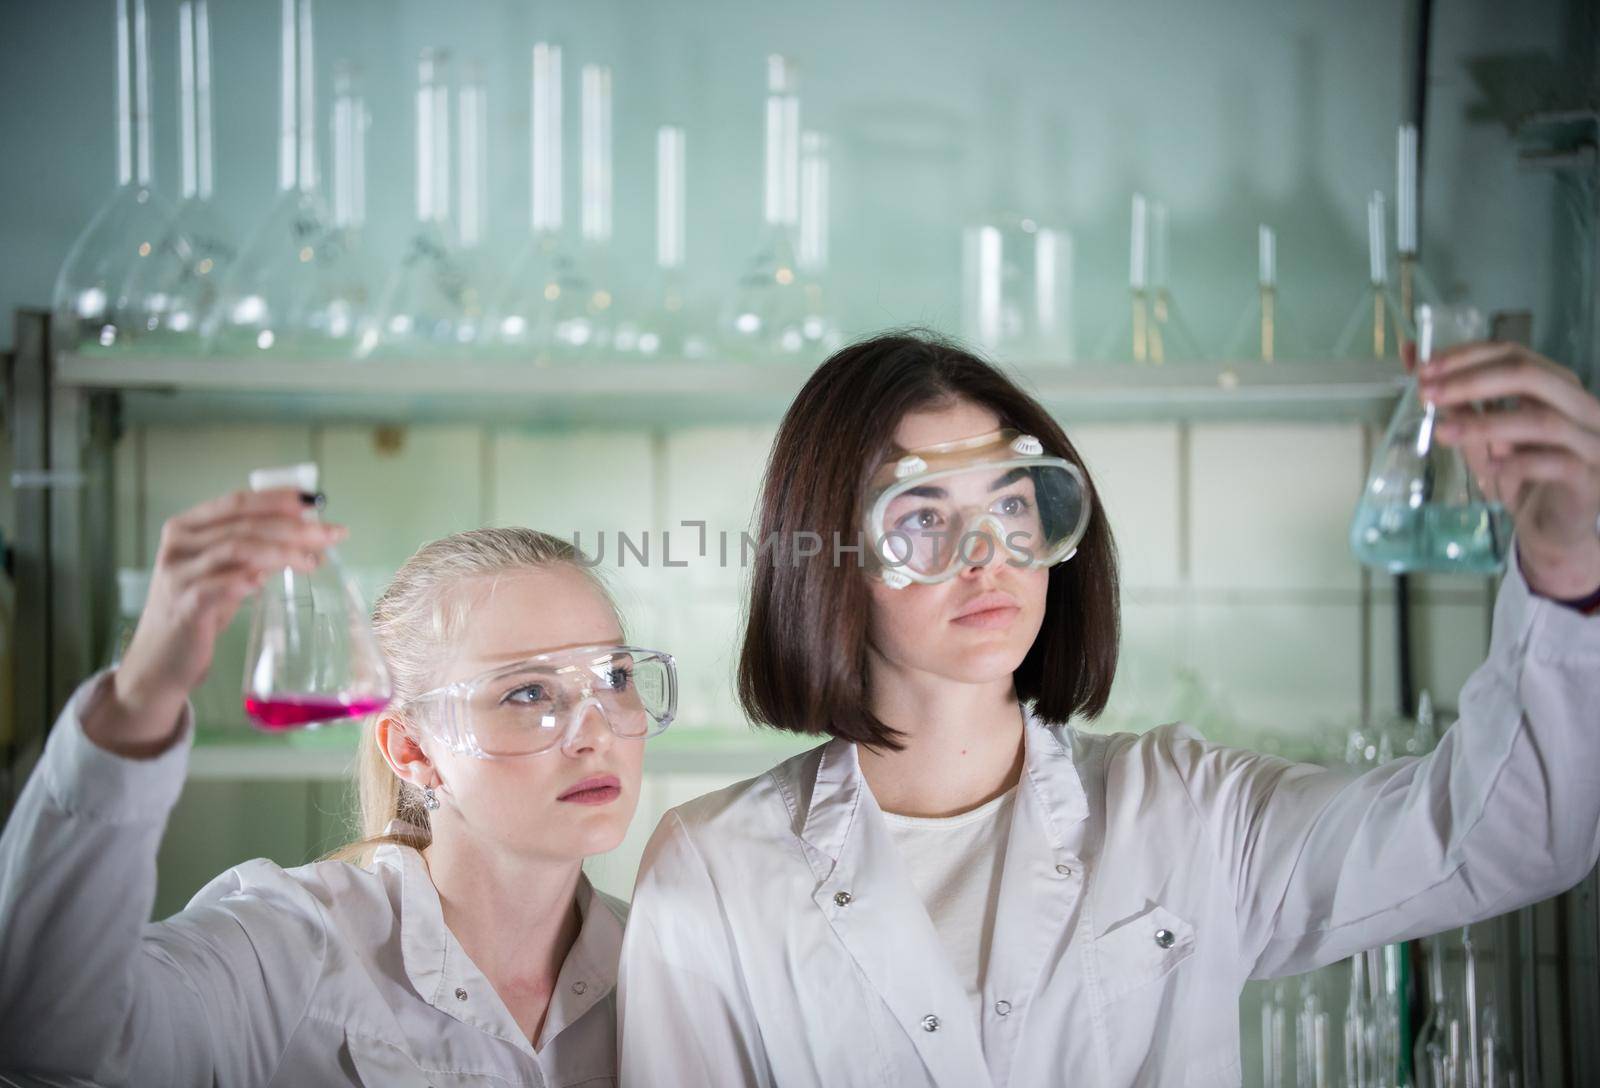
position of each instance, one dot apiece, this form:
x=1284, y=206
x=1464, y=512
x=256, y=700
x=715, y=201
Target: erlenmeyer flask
x=766, y=315
x=820, y=326
x=542, y=311
x=591, y=334
x=285, y=291
x=427, y=305
x=1378, y=325
x=1260, y=332
x=1421, y=509
x=92, y=309
x=312, y=654
x=666, y=326
x=179, y=283
x=348, y=303
x=1127, y=337
x=472, y=175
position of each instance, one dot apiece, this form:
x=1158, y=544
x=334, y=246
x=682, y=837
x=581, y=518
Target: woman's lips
x=988, y=610
x=989, y=618
x=600, y=790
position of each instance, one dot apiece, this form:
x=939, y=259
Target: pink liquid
x=294, y=711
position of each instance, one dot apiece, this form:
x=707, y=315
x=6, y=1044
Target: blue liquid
x=1469, y=539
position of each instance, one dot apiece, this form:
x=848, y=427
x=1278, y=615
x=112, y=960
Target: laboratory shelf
x=201, y=389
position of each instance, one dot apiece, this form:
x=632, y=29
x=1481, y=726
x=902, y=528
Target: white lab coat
x=774, y=938
x=327, y=974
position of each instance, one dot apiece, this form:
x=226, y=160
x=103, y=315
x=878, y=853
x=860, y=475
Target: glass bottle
x=312, y=655
x=820, y=326
x=543, y=307
x=92, y=310
x=1421, y=509
x=766, y=316
x=1168, y=335
x=427, y=305
x=472, y=222
x=133, y=588
x=283, y=294
x=180, y=281
x=590, y=332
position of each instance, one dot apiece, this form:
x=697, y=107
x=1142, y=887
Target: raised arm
x=1504, y=812
x=87, y=987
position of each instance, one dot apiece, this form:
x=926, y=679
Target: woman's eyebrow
x=1008, y=478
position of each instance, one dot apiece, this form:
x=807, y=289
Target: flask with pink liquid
x=312, y=655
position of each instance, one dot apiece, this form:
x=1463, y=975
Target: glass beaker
x=179, y=283
x=766, y=315
x=1421, y=509
x=312, y=656
x=286, y=290
x=90, y=304
x=1017, y=289
x=427, y=304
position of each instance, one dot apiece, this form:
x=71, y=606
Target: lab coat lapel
x=868, y=898
x=1040, y=885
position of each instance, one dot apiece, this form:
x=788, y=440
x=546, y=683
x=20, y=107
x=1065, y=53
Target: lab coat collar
x=867, y=895
x=837, y=786
x=441, y=970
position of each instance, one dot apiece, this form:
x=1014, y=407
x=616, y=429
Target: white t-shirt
x=955, y=863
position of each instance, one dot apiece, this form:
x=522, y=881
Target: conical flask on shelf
x=92, y=309
x=312, y=657
x=1421, y=509
x=286, y=292
x=428, y=304
x=180, y=282
x=541, y=314
x=1377, y=326
x=1261, y=332
x=667, y=325
x=765, y=318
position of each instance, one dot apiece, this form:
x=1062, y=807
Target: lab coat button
x=579, y=987
x=461, y=995
x=1064, y=870
x=1164, y=938
x=930, y=1022
x=842, y=899
x=1002, y=1007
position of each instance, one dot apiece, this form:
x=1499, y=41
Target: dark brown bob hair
x=803, y=665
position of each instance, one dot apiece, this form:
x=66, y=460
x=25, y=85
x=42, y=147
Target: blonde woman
x=470, y=949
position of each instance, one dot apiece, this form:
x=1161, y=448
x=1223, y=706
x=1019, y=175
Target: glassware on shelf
x=1168, y=336
x=667, y=326
x=820, y=326
x=590, y=331
x=1421, y=509
x=348, y=298
x=472, y=175
x=312, y=657
x=1415, y=287
x=179, y=282
x=1261, y=333
x=1128, y=337
x=543, y=309
x=91, y=306
x=428, y=304
x=766, y=315
x=1017, y=289
x=286, y=292
x=1377, y=326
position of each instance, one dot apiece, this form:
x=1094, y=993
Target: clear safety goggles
x=539, y=703
x=995, y=497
